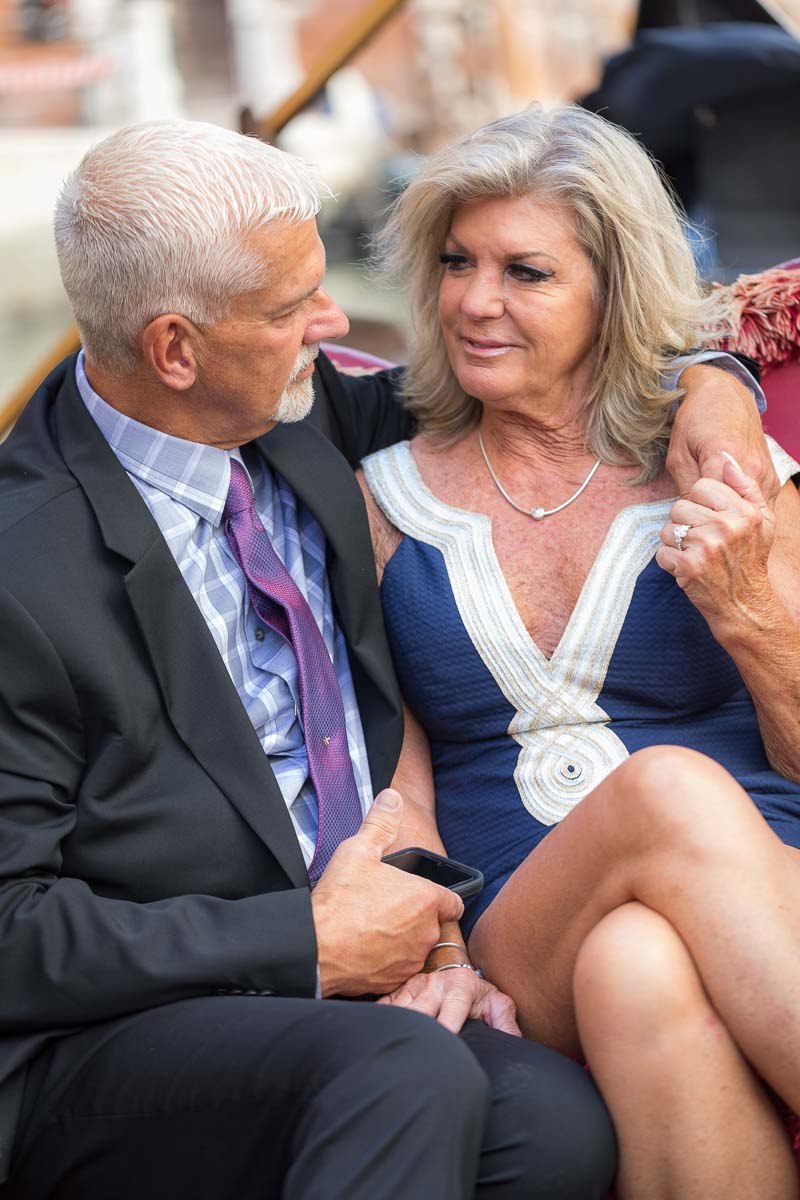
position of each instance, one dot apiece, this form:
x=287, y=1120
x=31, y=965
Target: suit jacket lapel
x=197, y=690
x=324, y=481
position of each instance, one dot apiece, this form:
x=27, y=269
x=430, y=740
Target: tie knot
x=240, y=493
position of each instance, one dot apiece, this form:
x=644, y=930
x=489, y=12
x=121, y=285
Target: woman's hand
x=723, y=563
x=744, y=580
x=452, y=997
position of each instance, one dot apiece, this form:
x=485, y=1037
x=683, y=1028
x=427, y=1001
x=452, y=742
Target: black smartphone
x=465, y=881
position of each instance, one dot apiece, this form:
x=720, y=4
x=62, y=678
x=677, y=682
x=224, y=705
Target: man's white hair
x=157, y=219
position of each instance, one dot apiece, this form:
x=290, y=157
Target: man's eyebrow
x=297, y=299
x=306, y=295
x=512, y=256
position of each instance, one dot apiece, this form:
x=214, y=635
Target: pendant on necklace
x=538, y=513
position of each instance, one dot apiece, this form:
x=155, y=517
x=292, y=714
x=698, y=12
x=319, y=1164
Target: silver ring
x=679, y=532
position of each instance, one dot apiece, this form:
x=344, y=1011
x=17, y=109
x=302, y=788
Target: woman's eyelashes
x=521, y=272
x=527, y=274
x=454, y=262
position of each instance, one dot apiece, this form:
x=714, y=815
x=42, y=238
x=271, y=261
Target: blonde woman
x=602, y=677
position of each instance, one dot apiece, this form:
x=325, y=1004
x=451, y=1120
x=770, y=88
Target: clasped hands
x=726, y=531
x=727, y=500
x=376, y=925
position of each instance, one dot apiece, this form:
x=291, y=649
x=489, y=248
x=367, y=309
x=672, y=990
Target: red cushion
x=782, y=418
x=346, y=356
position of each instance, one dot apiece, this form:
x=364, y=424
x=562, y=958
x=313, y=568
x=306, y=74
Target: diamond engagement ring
x=679, y=532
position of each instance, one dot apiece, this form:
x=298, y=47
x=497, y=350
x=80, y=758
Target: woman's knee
x=675, y=798
x=635, y=982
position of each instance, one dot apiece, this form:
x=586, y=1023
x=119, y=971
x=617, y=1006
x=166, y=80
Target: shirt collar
x=196, y=475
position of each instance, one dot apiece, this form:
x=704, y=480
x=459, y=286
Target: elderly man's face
x=257, y=363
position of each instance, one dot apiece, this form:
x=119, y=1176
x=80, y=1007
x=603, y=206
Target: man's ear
x=169, y=347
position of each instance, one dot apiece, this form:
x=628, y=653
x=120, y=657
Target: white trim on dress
x=566, y=745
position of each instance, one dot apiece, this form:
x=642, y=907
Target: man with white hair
x=197, y=705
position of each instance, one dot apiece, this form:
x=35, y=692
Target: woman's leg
x=692, y=1120
x=671, y=829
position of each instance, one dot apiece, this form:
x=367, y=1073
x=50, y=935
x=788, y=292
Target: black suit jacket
x=146, y=853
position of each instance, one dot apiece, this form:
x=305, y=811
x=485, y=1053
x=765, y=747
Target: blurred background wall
x=72, y=70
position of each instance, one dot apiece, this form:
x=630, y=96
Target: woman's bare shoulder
x=386, y=537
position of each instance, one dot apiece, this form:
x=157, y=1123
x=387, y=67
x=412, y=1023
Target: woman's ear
x=169, y=347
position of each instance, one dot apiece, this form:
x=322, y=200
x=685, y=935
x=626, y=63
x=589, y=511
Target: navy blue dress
x=518, y=739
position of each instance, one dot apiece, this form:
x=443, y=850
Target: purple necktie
x=278, y=602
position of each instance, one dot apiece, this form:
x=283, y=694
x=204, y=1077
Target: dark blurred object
x=719, y=107
x=43, y=20
x=654, y=14
x=747, y=179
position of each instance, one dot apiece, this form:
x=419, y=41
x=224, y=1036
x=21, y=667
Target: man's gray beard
x=297, y=398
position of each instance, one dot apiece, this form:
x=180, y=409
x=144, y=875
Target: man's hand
x=375, y=925
x=718, y=413
x=452, y=997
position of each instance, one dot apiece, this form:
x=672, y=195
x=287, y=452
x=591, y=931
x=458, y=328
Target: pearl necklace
x=538, y=512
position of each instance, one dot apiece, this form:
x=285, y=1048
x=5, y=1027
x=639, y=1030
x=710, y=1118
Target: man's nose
x=327, y=320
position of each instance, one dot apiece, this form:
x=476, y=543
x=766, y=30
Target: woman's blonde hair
x=650, y=300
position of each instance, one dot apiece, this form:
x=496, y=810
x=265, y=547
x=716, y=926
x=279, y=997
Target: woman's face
x=516, y=302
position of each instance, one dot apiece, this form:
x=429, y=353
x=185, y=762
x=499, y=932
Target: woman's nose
x=483, y=297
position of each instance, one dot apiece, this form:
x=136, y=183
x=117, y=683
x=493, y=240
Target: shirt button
x=259, y=634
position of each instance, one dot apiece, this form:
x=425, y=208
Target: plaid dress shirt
x=184, y=485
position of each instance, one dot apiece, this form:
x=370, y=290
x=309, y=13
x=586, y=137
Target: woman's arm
x=414, y=780
x=740, y=567
x=456, y=994
x=413, y=777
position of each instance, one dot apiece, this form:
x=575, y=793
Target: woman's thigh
x=669, y=828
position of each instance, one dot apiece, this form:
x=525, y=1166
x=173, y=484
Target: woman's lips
x=486, y=349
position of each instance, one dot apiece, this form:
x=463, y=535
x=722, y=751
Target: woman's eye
x=453, y=262
x=526, y=274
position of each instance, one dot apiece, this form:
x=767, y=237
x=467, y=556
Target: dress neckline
x=567, y=742
x=656, y=508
